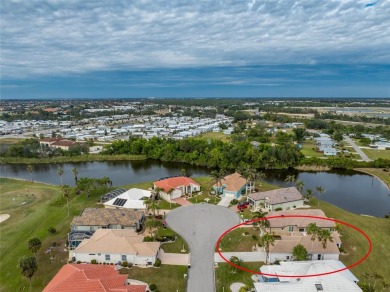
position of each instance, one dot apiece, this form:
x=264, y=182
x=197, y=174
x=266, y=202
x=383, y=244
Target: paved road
x=357, y=149
x=201, y=225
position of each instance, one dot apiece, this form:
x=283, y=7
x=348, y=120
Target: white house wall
x=288, y=205
x=114, y=258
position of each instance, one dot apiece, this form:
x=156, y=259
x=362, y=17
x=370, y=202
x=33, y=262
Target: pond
x=356, y=192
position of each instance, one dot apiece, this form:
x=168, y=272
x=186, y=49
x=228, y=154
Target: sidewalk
x=182, y=201
x=180, y=259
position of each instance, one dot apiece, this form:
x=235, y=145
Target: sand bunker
x=4, y=217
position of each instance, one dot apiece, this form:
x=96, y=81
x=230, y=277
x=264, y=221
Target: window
x=319, y=287
x=287, y=258
x=107, y=257
x=291, y=228
x=99, y=254
x=319, y=257
x=301, y=229
x=124, y=258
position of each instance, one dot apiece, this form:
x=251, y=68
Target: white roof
x=341, y=281
x=131, y=199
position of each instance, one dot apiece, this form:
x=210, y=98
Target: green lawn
x=217, y=136
x=167, y=278
x=173, y=247
x=235, y=240
x=378, y=229
x=224, y=275
x=11, y=140
x=379, y=172
x=201, y=199
x=308, y=149
x=375, y=154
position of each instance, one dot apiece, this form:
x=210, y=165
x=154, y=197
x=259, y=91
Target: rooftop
x=278, y=196
x=174, y=182
x=299, y=221
x=233, y=182
x=105, y=217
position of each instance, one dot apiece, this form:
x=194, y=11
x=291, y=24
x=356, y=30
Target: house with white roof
x=285, y=198
x=277, y=280
x=131, y=199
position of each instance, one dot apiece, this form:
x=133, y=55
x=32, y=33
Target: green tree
x=60, y=172
x=29, y=169
x=338, y=137
x=28, y=266
x=216, y=178
x=66, y=190
x=309, y=195
x=236, y=261
x=324, y=236
x=266, y=241
x=300, y=253
x=75, y=173
x=300, y=185
x=259, y=178
x=320, y=190
x=299, y=134
x=152, y=204
x=290, y=178
x=34, y=244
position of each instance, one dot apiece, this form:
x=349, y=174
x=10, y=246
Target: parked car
x=243, y=206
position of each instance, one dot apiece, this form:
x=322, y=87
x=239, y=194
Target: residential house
x=231, y=186
x=92, y=219
x=179, y=186
x=277, y=280
x=60, y=143
x=285, y=198
x=380, y=145
x=129, y=246
x=131, y=199
x=90, y=278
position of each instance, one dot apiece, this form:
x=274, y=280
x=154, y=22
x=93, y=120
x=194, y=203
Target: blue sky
x=177, y=48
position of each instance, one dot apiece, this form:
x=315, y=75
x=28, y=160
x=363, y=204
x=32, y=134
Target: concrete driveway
x=357, y=149
x=201, y=225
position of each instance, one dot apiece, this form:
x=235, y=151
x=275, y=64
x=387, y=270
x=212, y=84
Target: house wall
x=114, y=258
x=94, y=228
x=287, y=205
x=283, y=257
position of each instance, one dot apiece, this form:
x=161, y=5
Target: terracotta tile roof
x=278, y=196
x=233, y=182
x=174, y=182
x=105, y=217
x=51, y=139
x=300, y=222
x=287, y=243
x=126, y=242
x=66, y=143
x=90, y=278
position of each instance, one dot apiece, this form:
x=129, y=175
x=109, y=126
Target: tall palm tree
x=266, y=241
x=263, y=224
x=75, y=173
x=259, y=177
x=290, y=179
x=216, y=178
x=60, y=172
x=152, y=205
x=299, y=184
x=156, y=193
x=313, y=230
x=29, y=169
x=237, y=261
x=320, y=190
x=28, y=266
x=66, y=192
x=309, y=195
x=324, y=236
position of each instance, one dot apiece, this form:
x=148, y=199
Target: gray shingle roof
x=278, y=196
x=105, y=217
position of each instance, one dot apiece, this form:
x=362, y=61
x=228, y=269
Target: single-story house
x=285, y=198
x=282, y=249
x=60, y=143
x=330, y=151
x=380, y=145
x=116, y=246
x=82, y=277
x=92, y=219
x=179, y=186
x=297, y=224
x=342, y=281
x=232, y=186
x=131, y=199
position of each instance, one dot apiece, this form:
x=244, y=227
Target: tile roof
x=105, y=217
x=126, y=242
x=67, y=143
x=287, y=243
x=233, y=182
x=174, y=182
x=278, y=196
x=90, y=278
x=301, y=222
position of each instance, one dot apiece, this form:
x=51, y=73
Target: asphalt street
x=357, y=149
x=201, y=225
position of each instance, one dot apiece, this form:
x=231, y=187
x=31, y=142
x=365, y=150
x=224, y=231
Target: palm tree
x=290, y=179
x=28, y=266
x=34, y=244
x=299, y=184
x=66, y=192
x=259, y=177
x=60, y=172
x=313, y=230
x=169, y=192
x=75, y=173
x=324, y=235
x=156, y=193
x=30, y=170
x=152, y=205
x=299, y=134
x=249, y=175
x=216, y=178
x=266, y=241
x=309, y=195
x=237, y=261
x=320, y=190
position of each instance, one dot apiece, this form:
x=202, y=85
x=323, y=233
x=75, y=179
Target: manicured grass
x=224, y=275
x=308, y=149
x=217, y=136
x=167, y=278
x=235, y=240
x=355, y=245
x=379, y=172
x=196, y=199
x=375, y=154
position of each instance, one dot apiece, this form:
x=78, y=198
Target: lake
x=356, y=192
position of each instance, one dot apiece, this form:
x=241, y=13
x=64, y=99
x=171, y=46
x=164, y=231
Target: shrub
x=157, y=263
x=124, y=264
x=52, y=230
x=294, y=206
x=148, y=238
x=152, y=287
x=233, y=202
x=278, y=209
x=78, y=262
x=53, y=244
x=93, y=262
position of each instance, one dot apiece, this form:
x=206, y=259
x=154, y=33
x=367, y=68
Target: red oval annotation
x=296, y=276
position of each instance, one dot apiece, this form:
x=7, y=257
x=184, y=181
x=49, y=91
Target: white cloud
x=61, y=37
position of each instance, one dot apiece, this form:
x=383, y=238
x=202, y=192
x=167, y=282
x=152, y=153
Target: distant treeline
x=209, y=153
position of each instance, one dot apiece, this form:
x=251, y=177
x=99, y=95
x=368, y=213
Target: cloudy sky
x=256, y=48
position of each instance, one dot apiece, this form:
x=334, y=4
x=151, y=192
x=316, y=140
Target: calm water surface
x=355, y=192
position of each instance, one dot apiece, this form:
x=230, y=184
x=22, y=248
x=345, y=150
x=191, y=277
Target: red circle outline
x=296, y=216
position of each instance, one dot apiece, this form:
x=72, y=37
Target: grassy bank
x=78, y=158
x=377, y=172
